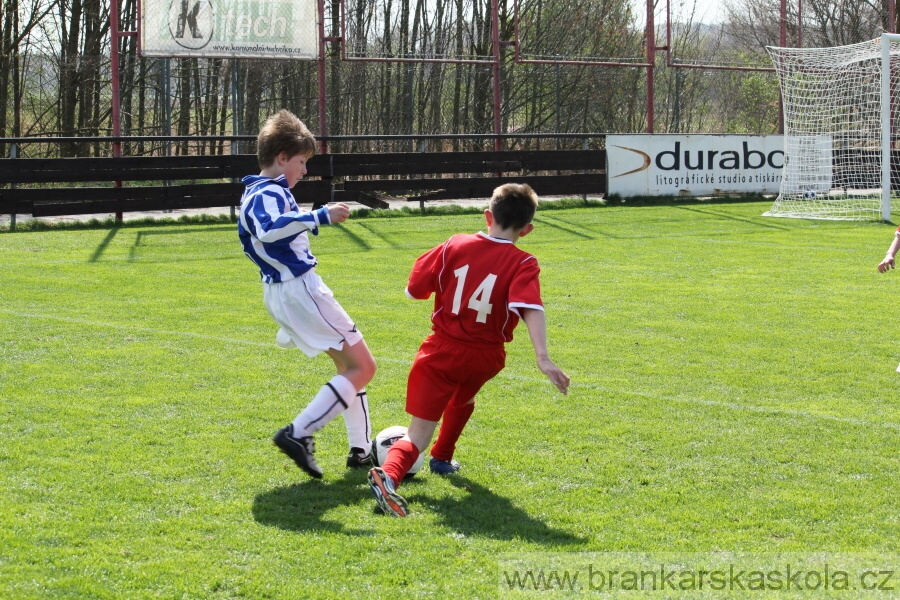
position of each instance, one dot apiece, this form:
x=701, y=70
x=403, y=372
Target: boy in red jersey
x=483, y=285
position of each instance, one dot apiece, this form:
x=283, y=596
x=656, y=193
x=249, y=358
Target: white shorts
x=309, y=316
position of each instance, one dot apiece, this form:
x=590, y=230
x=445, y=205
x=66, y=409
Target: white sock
x=332, y=400
x=356, y=418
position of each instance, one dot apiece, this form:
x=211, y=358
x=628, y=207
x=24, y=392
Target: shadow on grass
x=145, y=236
x=303, y=506
x=99, y=251
x=757, y=221
x=375, y=232
x=353, y=237
x=483, y=513
x=142, y=236
x=562, y=225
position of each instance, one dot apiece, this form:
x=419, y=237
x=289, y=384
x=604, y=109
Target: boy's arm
x=273, y=227
x=536, y=322
x=422, y=279
x=888, y=262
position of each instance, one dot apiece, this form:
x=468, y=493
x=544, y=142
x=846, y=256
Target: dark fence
x=46, y=187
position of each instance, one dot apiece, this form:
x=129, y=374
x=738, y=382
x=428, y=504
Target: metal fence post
x=422, y=176
x=236, y=110
x=166, y=76
x=584, y=146
x=13, y=153
x=558, y=106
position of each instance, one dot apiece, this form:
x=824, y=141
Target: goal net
x=838, y=130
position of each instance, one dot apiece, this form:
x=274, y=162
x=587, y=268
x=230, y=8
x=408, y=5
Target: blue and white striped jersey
x=273, y=230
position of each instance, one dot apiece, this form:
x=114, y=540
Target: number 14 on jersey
x=480, y=300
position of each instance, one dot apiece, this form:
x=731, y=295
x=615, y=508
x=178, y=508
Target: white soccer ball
x=383, y=442
x=809, y=194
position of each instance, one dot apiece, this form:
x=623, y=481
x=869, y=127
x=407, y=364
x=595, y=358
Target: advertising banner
x=229, y=28
x=694, y=165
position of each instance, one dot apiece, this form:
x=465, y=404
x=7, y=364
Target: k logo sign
x=191, y=23
x=230, y=28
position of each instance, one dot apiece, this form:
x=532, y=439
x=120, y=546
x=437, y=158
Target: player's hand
x=886, y=265
x=338, y=212
x=556, y=375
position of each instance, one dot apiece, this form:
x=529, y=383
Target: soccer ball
x=809, y=194
x=383, y=442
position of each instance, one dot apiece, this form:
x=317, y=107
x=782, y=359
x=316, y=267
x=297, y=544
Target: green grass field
x=733, y=389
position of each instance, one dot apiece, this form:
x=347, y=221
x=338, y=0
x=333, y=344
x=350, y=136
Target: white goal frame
x=886, y=39
x=837, y=105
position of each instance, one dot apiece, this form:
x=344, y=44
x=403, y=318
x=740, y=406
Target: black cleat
x=358, y=459
x=299, y=449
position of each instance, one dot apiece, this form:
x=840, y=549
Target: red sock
x=452, y=424
x=400, y=459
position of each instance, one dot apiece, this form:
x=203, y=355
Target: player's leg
x=404, y=453
x=428, y=390
x=357, y=364
x=296, y=439
x=309, y=315
x=340, y=392
x=385, y=480
x=432, y=383
x=481, y=368
x=453, y=422
x=359, y=432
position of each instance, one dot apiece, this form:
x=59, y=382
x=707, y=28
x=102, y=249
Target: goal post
x=839, y=132
x=887, y=39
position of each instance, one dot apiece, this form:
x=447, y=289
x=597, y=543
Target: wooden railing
x=185, y=182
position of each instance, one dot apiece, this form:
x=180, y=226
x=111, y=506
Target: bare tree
x=20, y=20
x=55, y=70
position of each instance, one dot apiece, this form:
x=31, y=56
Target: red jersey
x=479, y=282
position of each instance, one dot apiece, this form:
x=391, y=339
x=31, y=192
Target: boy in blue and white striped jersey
x=274, y=233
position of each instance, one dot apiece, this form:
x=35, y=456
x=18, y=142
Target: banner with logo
x=693, y=165
x=229, y=28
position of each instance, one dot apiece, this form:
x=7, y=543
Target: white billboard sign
x=229, y=28
x=693, y=165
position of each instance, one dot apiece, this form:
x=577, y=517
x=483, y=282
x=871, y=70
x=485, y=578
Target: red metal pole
x=495, y=26
x=782, y=36
x=116, y=86
x=782, y=41
x=651, y=61
x=323, y=113
x=668, y=32
x=892, y=16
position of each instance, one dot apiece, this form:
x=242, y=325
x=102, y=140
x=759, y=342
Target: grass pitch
x=734, y=389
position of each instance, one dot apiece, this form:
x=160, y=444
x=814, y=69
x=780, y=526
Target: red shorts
x=446, y=371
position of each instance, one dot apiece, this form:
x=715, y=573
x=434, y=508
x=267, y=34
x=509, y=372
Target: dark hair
x=283, y=132
x=513, y=205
